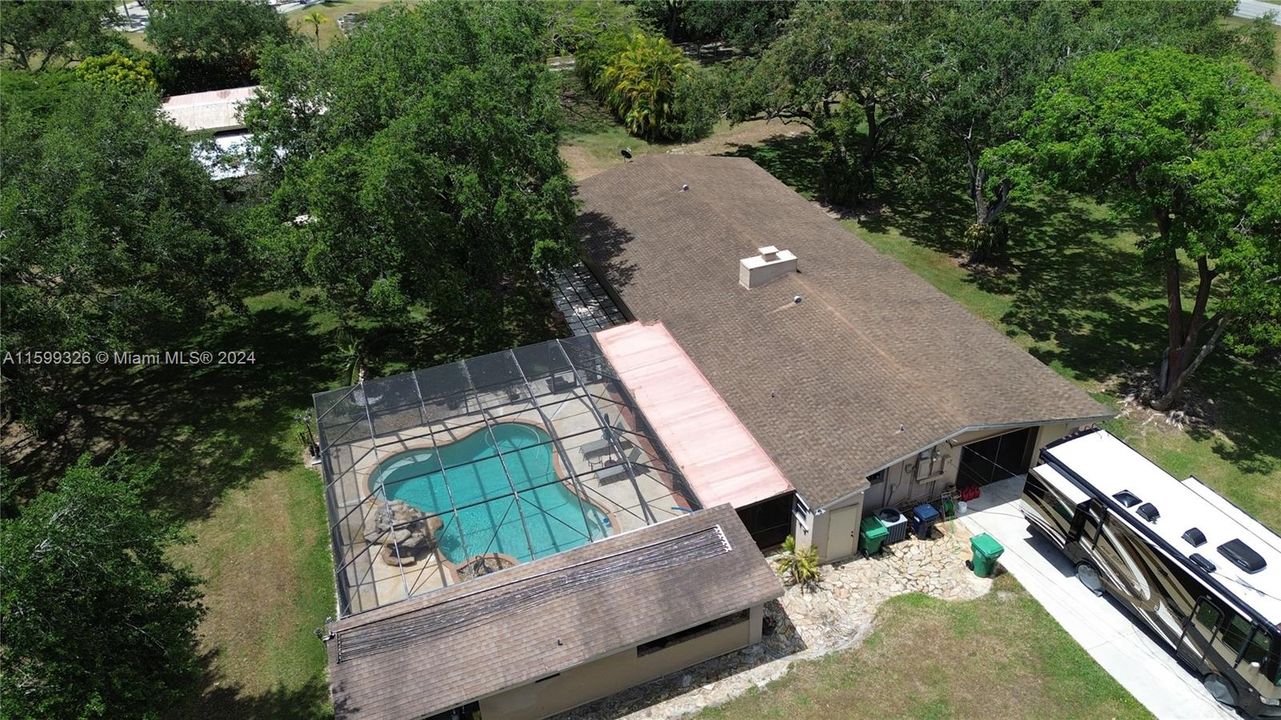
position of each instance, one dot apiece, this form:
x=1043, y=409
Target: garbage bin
x=986, y=550
x=871, y=535
x=924, y=516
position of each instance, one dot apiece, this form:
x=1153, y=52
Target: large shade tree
x=112, y=235
x=415, y=165
x=853, y=73
x=98, y=621
x=991, y=57
x=211, y=45
x=35, y=33
x=1190, y=147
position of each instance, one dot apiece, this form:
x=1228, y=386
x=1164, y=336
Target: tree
x=431, y=179
x=112, y=234
x=34, y=33
x=37, y=93
x=315, y=19
x=747, y=25
x=122, y=72
x=639, y=84
x=212, y=45
x=1188, y=144
x=576, y=24
x=850, y=71
x=98, y=622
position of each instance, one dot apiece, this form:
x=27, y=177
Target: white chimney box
x=770, y=263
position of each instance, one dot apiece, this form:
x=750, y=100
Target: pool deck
x=573, y=418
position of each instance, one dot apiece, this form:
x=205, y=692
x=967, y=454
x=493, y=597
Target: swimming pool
x=488, y=519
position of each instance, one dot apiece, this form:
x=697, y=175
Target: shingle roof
x=873, y=365
x=449, y=647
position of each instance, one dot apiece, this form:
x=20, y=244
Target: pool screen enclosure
x=436, y=476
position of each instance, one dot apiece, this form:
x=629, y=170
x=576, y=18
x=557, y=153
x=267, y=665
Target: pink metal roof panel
x=215, y=110
x=721, y=460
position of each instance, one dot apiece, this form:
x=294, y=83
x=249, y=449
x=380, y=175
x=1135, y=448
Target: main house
x=865, y=385
x=519, y=533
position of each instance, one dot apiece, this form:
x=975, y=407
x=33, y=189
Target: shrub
x=799, y=566
x=122, y=72
x=649, y=85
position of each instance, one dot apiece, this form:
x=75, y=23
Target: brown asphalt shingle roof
x=504, y=630
x=872, y=366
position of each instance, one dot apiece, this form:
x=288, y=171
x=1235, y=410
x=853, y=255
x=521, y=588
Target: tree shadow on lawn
x=214, y=697
x=794, y=160
x=210, y=427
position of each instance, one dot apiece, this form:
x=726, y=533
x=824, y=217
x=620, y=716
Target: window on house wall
x=801, y=511
x=688, y=634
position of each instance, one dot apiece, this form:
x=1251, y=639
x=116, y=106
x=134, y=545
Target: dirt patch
x=586, y=156
x=739, y=136
x=582, y=164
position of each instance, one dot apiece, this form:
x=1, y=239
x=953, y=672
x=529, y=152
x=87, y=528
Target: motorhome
x=1196, y=569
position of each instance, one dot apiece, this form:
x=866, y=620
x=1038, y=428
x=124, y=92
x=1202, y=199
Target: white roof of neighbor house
x=1110, y=466
x=227, y=158
x=212, y=111
x=719, y=457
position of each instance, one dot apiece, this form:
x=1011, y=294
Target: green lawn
x=332, y=10
x=1000, y=656
x=1276, y=32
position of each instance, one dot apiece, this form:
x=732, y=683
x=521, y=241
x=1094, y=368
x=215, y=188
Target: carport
x=995, y=458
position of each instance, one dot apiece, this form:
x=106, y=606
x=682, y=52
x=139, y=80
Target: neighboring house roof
x=719, y=458
x=872, y=365
x=212, y=111
x=436, y=651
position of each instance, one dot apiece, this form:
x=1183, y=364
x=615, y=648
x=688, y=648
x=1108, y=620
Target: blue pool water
x=489, y=519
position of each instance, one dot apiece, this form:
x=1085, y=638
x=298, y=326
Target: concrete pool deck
x=575, y=424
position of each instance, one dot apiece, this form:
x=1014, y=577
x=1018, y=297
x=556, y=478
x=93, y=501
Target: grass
x=226, y=439
x=331, y=9
x=1078, y=296
x=998, y=656
x=329, y=31
x=1276, y=34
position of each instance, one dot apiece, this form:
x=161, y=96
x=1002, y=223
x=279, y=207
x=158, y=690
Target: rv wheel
x=1089, y=577
x=1220, y=689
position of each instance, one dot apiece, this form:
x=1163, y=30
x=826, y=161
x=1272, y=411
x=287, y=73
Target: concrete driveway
x=1111, y=636
x=1257, y=9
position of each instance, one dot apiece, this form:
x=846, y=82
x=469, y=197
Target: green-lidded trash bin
x=871, y=535
x=986, y=550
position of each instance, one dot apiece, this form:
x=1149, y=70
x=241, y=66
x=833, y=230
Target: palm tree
x=315, y=18
x=641, y=83
x=799, y=566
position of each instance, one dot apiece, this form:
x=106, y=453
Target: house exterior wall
x=613, y=673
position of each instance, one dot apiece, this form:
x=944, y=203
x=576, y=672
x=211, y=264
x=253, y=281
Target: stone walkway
x=806, y=625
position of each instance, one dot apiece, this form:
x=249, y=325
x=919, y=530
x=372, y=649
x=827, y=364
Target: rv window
x=1256, y=651
x=1207, y=615
x=1236, y=633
